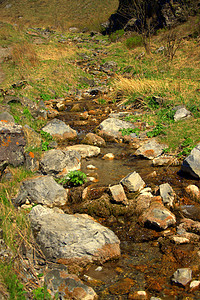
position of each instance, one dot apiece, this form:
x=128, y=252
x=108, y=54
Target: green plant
x=45, y=141
x=187, y=145
x=41, y=293
x=45, y=96
x=115, y=36
x=159, y=129
x=128, y=131
x=101, y=101
x=134, y=41
x=73, y=178
x=15, y=287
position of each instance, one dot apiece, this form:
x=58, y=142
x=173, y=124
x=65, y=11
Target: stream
x=145, y=263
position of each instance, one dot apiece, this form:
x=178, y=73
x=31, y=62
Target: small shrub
x=41, y=293
x=134, y=41
x=45, y=141
x=128, y=131
x=115, y=36
x=73, y=178
x=159, y=129
x=187, y=145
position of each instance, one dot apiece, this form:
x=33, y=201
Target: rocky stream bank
x=132, y=230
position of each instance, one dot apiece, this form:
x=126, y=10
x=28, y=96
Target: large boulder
x=58, y=162
x=191, y=165
x=41, y=190
x=72, y=239
x=110, y=128
x=150, y=150
x=59, y=130
x=12, y=143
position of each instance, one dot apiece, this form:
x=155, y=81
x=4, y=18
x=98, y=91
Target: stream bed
x=146, y=263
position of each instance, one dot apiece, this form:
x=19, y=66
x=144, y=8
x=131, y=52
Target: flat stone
x=67, y=286
x=59, y=130
x=150, y=150
x=72, y=239
x=133, y=182
x=41, y=190
x=85, y=150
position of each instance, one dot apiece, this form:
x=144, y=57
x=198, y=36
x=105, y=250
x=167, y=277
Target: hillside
x=59, y=14
x=49, y=72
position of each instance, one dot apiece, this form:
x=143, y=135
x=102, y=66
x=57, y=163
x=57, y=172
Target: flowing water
x=145, y=264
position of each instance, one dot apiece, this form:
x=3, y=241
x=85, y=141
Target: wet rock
x=121, y=287
x=182, y=276
x=5, y=116
x=138, y=295
x=191, y=211
x=133, y=182
x=118, y=194
x=193, y=191
x=181, y=113
x=142, y=203
x=194, y=285
x=33, y=139
x=85, y=150
x=41, y=190
x=109, y=156
x=58, y=162
x=12, y=143
x=110, y=128
x=59, y=130
x=191, y=165
x=190, y=226
x=94, y=139
x=150, y=150
x=157, y=216
x=167, y=194
x=67, y=286
x=72, y=239
x=165, y=160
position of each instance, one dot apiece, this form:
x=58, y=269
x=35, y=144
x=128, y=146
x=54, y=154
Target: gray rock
x=118, y=194
x=181, y=113
x=85, y=150
x=191, y=165
x=72, y=239
x=110, y=127
x=41, y=190
x=158, y=216
x=12, y=143
x=182, y=276
x=167, y=194
x=7, y=117
x=150, y=150
x=133, y=182
x=58, y=129
x=67, y=286
x=58, y=162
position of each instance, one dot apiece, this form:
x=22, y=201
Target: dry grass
x=24, y=55
x=59, y=14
